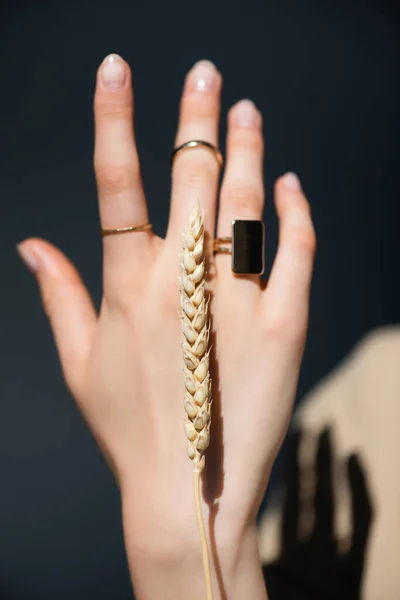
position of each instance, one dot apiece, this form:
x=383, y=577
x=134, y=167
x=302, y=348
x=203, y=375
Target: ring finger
x=242, y=190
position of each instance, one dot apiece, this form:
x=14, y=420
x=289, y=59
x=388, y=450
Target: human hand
x=123, y=367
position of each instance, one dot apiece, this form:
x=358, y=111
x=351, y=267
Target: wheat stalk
x=196, y=362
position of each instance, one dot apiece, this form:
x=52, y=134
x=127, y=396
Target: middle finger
x=195, y=172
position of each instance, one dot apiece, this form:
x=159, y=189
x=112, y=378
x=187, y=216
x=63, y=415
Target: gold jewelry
x=222, y=249
x=105, y=232
x=193, y=144
x=247, y=250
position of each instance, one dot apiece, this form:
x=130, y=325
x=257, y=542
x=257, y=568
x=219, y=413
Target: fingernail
x=113, y=72
x=28, y=257
x=246, y=114
x=203, y=76
x=292, y=182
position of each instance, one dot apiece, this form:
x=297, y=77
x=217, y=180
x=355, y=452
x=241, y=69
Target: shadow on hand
x=213, y=474
x=312, y=567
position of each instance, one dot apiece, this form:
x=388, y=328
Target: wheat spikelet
x=196, y=362
x=195, y=328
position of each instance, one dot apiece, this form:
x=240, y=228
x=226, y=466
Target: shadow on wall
x=332, y=529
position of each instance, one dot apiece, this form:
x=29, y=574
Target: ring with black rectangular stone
x=248, y=246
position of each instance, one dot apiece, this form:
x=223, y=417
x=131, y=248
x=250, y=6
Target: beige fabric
x=361, y=401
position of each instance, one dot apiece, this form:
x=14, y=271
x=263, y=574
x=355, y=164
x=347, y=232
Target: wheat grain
x=196, y=361
x=195, y=328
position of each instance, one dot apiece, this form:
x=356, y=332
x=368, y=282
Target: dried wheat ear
x=196, y=330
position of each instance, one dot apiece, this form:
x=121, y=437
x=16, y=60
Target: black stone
x=248, y=240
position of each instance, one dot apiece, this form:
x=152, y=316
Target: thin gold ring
x=145, y=227
x=193, y=144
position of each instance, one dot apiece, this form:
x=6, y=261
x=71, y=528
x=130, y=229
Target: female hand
x=123, y=366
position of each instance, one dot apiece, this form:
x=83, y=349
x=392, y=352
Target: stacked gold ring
x=248, y=236
x=186, y=146
x=247, y=246
x=222, y=249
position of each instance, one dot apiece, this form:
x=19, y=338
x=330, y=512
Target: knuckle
x=284, y=326
x=114, y=110
x=246, y=139
x=113, y=179
x=197, y=106
x=132, y=307
x=304, y=240
x=122, y=296
x=243, y=199
x=194, y=171
x=119, y=302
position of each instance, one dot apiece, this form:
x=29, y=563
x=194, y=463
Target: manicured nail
x=292, y=182
x=28, y=257
x=246, y=114
x=203, y=76
x=113, y=72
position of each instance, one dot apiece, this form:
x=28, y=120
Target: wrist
x=168, y=563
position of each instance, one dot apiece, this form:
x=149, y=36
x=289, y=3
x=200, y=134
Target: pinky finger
x=288, y=289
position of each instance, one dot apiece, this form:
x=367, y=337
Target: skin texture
x=123, y=366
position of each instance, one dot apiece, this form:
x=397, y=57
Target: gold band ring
x=193, y=144
x=247, y=246
x=222, y=249
x=105, y=232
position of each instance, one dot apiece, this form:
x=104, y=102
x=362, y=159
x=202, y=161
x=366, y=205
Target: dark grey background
x=324, y=74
